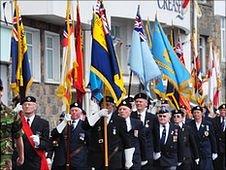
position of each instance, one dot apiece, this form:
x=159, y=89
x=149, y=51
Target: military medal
x=146, y=124
x=136, y=133
x=206, y=133
x=82, y=136
x=114, y=131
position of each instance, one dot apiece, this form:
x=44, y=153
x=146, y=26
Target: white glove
x=144, y=163
x=18, y=108
x=156, y=155
x=197, y=161
x=214, y=156
x=103, y=113
x=49, y=162
x=61, y=126
x=179, y=163
x=36, y=140
x=94, y=117
x=129, y=157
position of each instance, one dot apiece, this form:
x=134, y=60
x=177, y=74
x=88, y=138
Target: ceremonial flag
x=21, y=75
x=167, y=60
x=69, y=66
x=79, y=84
x=141, y=61
x=103, y=59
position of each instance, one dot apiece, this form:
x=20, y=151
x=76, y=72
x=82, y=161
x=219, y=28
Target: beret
x=129, y=99
x=75, y=104
x=196, y=108
x=29, y=99
x=125, y=103
x=162, y=111
x=223, y=106
x=141, y=96
x=107, y=99
x=177, y=112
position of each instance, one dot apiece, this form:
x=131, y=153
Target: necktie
x=28, y=121
x=162, y=140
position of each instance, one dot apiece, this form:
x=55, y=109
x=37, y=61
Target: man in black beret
x=35, y=138
x=219, y=124
x=190, y=150
x=204, y=138
x=76, y=142
x=149, y=121
x=135, y=128
x=118, y=139
x=170, y=142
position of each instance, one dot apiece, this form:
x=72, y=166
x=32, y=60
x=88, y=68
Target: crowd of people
x=137, y=138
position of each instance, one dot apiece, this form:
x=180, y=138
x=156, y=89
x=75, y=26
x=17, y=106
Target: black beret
x=125, y=103
x=162, y=111
x=141, y=96
x=129, y=99
x=223, y=106
x=174, y=112
x=75, y=105
x=196, y=108
x=107, y=99
x=29, y=99
x=1, y=85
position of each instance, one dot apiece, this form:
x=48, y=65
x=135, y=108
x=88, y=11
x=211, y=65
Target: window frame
x=36, y=53
x=223, y=38
x=56, y=55
x=202, y=46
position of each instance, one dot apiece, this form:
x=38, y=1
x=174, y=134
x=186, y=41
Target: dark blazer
x=138, y=141
x=118, y=140
x=205, y=138
x=190, y=149
x=78, y=146
x=31, y=159
x=220, y=135
x=151, y=132
x=172, y=150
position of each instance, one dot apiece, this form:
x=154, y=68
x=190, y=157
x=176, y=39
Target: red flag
x=78, y=84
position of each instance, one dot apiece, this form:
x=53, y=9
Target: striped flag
x=21, y=75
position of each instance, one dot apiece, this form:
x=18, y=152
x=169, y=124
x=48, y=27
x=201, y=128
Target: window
x=119, y=35
x=223, y=39
x=202, y=1
x=52, y=57
x=33, y=51
x=202, y=53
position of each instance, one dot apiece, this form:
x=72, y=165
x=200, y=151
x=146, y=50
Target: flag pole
x=105, y=135
x=130, y=80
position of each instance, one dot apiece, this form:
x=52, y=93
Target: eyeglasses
x=176, y=116
x=164, y=116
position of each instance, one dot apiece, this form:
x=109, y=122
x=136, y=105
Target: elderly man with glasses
x=170, y=142
x=190, y=149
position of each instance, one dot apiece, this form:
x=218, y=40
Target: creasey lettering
x=170, y=5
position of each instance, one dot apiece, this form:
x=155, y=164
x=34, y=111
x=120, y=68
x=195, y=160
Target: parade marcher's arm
x=143, y=142
x=62, y=125
x=44, y=137
x=94, y=117
x=20, y=150
x=194, y=146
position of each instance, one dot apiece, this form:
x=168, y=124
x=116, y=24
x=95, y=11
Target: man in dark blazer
x=35, y=137
x=136, y=131
x=219, y=129
x=190, y=149
x=205, y=139
x=71, y=149
x=170, y=142
x=118, y=139
x=149, y=121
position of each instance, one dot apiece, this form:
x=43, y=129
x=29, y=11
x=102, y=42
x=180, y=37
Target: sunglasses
x=164, y=116
x=176, y=116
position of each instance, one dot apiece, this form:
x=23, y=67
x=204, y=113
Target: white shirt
x=180, y=124
x=30, y=119
x=224, y=122
x=75, y=123
x=142, y=115
x=198, y=125
x=128, y=124
x=109, y=117
x=167, y=130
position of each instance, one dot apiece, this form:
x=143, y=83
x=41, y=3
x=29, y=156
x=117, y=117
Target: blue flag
x=167, y=59
x=21, y=75
x=103, y=60
x=141, y=61
x=96, y=87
